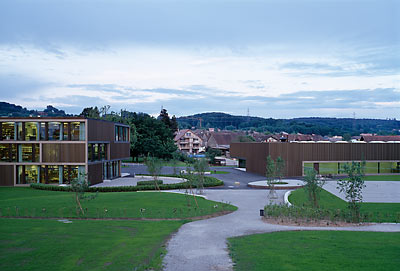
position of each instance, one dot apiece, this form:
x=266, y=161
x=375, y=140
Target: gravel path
x=201, y=245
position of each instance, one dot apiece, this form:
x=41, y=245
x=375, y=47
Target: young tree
x=279, y=168
x=200, y=166
x=154, y=166
x=352, y=187
x=80, y=186
x=271, y=175
x=313, y=186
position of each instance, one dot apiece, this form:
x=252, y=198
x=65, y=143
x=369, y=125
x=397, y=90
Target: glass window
x=54, y=130
x=28, y=152
x=328, y=168
x=371, y=168
x=27, y=174
x=53, y=174
x=90, y=152
x=75, y=130
x=65, y=131
x=19, y=131
x=389, y=167
x=8, y=152
x=42, y=131
x=31, y=131
x=82, y=131
x=8, y=130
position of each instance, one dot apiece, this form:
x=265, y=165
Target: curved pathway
x=201, y=245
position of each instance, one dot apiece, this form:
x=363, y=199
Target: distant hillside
x=12, y=110
x=322, y=126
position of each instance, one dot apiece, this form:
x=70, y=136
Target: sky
x=279, y=59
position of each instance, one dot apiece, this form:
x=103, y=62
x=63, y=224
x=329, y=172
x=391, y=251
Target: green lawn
x=40, y=244
x=378, y=212
x=25, y=201
x=316, y=250
x=382, y=178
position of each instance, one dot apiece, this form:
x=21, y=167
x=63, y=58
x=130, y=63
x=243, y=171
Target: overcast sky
x=278, y=59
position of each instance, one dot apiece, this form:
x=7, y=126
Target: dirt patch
x=304, y=222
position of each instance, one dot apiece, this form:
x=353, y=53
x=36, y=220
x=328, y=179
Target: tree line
x=149, y=136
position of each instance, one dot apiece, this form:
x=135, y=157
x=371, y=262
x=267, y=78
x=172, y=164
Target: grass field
x=21, y=201
x=40, y=244
x=379, y=212
x=47, y=244
x=382, y=178
x=316, y=250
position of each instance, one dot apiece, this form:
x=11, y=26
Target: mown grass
x=377, y=212
x=25, y=201
x=40, y=244
x=316, y=250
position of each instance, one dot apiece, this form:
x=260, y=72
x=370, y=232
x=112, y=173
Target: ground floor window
x=111, y=170
x=335, y=168
x=27, y=174
x=49, y=174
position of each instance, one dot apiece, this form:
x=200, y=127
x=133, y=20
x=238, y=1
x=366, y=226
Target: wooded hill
x=321, y=126
x=12, y=110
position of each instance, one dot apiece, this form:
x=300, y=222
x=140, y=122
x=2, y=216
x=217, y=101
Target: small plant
x=154, y=166
x=200, y=166
x=79, y=186
x=313, y=186
x=352, y=187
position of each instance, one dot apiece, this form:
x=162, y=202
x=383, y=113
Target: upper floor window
x=188, y=134
x=8, y=131
x=121, y=133
x=35, y=131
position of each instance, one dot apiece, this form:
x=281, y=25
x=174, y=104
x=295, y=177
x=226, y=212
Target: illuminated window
x=8, y=130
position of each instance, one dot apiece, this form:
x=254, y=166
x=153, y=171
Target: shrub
x=151, y=182
x=208, y=182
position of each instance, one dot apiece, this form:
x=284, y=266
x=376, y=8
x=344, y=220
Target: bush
x=208, y=182
x=151, y=182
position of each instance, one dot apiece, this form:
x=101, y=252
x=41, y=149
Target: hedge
x=208, y=182
x=151, y=182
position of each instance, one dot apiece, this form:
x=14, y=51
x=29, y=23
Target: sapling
x=352, y=187
x=154, y=167
x=80, y=185
x=313, y=186
x=271, y=174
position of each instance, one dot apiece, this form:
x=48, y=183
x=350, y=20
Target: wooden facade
x=295, y=154
x=66, y=151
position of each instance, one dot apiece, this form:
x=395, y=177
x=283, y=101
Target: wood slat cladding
x=99, y=130
x=295, y=153
x=62, y=152
x=119, y=150
x=6, y=175
x=95, y=175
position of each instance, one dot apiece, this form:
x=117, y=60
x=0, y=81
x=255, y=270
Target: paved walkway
x=375, y=191
x=130, y=181
x=229, y=179
x=201, y=245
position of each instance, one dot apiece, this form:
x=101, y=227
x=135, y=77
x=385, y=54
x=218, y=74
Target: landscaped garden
x=316, y=250
x=373, y=212
x=111, y=235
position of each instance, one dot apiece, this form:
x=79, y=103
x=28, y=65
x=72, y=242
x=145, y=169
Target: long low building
x=326, y=158
x=59, y=149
